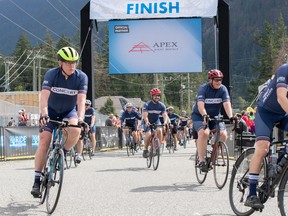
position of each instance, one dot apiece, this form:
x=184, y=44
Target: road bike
x=217, y=156
x=53, y=171
x=130, y=146
x=87, y=146
x=270, y=176
x=154, y=148
x=170, y=141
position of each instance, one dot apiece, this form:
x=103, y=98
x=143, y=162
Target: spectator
x=11, y=123
x=242, y=126
x=251, y=122
x=22, y=120
x=110, y=121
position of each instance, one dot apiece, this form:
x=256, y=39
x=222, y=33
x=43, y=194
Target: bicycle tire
x=221, y=164
x=44, y=174
x=128, y=143
x=281, y=194
x=239, y=182
x=156, y=157
x=185, y=141
x=149, y=158
x=55, y=179
x=200, y=176
x=84, y=150
x=68, y=159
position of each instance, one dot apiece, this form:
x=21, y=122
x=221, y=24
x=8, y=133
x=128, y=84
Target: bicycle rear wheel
x=128, y=145
x=239, y=182
x=156, y=156
x=221, y=164
x=55, y=181
x=201, y=176
x=283, y=194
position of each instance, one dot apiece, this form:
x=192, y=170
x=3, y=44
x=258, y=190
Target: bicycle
x=130, y=147
x=154, y=148
x=170, y=141
x=269, y=179
x=87, y=146
x=53, y=171
x=216, y=158
x=71, y=156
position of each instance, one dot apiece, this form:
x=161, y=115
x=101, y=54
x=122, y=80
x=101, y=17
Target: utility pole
x=188, y=91
x=7, y=74
x=34, y=76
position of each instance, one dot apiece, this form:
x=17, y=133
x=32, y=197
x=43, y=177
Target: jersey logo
x=154, y=111
x=213, y=100
x=64, y=91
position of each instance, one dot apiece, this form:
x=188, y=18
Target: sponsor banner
x=139, y=9
x=155, y=46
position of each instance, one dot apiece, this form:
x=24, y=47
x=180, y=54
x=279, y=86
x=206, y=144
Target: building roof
x=99, y=102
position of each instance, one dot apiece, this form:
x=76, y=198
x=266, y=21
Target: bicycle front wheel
x=201, y=176
x=55, y=181
x=68, y=159
x=239, y=182
x=156, y=156
x=283, y=194
x=44, y=179
x=220, y=164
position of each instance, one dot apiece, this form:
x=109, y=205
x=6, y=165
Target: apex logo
x=165, y=45
x=141, y=47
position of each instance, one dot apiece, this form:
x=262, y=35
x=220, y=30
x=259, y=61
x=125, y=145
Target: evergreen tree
x=108, y=107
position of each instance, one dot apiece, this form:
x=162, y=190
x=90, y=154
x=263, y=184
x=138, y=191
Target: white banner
x=104, y=10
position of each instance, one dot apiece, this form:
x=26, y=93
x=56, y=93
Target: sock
x=65, y=151
x=253, y=182
x=37, y=177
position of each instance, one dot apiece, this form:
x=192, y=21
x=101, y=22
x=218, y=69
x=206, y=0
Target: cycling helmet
x=129, y=105
x=67, y=54
x=215, y=73
x=183, y=111
x=88, y=102
x=155, y=91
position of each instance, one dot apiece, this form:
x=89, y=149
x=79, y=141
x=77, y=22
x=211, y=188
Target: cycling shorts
x=198, y=123
x=264, y=122
x=59, y=117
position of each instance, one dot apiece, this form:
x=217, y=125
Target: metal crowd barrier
x=22, y=142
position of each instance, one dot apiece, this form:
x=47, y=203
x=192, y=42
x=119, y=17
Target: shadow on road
x=176, y=187
x=121, y=170
x=19, y=208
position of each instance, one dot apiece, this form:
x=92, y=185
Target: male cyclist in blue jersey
x=63, y=88
x=90, y=121
x=131, y=118
x=173, y=124
x=209, y=100
x=151, y=111
x=183, y=127
x=272, y=107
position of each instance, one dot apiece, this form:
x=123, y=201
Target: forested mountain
x=62, y=18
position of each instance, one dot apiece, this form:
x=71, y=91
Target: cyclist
x=272, y=107
x=174, y=118
x=151, y=111
x=130, y=118
x=183, y=127
x=209, y=100
x=90, y=121
x=63, y=88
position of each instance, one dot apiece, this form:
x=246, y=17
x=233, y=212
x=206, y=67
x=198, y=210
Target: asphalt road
x=114, y=184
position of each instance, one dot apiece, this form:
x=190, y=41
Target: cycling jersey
x=173, y=118
x=130, y=118
x=212, y=98
x=154, y=110
x=63, y=96
x=268, y=100
x=161, y=119
x=88, y=115
x=183, y=121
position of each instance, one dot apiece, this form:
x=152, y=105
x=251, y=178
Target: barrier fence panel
x=108, y=137
x=20, y=142
x=1, y=143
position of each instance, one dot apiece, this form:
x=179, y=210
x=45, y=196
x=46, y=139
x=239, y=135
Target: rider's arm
x=201, y=108
x=81, y=98
x=44, y=102
x=165, y=117
x=228, y=109
x=145, y=117
x=282, y=98
x=92, y=120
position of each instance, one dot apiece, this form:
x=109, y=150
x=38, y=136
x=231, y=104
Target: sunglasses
x=217, y=79
x=157, y=95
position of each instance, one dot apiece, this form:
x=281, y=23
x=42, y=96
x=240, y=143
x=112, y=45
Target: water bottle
x=282, y=163
x=272, y=166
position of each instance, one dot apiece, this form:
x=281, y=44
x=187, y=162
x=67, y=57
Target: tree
x=108, y=107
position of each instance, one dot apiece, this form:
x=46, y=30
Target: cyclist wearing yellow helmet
x=63, y=88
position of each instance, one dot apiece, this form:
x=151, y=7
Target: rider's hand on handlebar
x=43, y=120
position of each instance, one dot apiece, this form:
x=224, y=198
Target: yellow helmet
x=250, y=109
x=67, y=54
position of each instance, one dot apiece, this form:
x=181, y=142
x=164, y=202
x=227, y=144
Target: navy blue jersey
x=213, y=99
x=173, y=118
x=183, y=120
x=88, y=115
x=130, y=118
x=161, y=118
x=268, y=99
x=63, y=96
x=154, y=110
